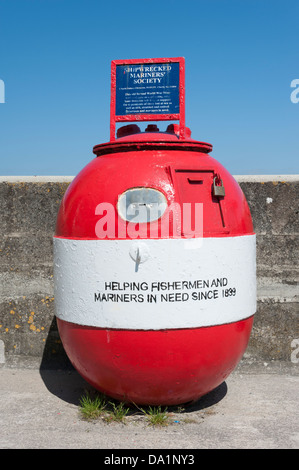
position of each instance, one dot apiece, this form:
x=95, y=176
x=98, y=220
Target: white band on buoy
x=155, y=284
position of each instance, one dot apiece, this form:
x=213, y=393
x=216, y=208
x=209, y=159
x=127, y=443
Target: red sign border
x=148, y=117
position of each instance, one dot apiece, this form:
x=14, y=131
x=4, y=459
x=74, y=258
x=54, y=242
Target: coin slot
x=193, y=181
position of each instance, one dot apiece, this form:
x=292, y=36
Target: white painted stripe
x=207, y=282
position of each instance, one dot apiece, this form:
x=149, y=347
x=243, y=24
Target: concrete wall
x=28, y=333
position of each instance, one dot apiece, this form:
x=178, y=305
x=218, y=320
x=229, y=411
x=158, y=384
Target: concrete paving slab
x=255, y=408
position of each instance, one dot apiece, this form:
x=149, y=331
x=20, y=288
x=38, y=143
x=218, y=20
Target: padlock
x=219, y=190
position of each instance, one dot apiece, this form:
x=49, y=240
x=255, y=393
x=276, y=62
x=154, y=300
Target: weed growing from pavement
x=117, y=413
x=156, y=416
x=94, y=406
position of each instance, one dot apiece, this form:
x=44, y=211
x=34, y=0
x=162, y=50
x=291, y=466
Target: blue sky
x=241, y=57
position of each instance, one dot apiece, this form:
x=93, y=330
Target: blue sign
x=148, y=88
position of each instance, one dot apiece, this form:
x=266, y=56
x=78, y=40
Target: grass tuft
x=117, y=412
x=156, y=416
x=92, y=408
x=98, y=405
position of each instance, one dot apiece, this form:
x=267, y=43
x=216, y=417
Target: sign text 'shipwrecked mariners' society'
x=147, y=89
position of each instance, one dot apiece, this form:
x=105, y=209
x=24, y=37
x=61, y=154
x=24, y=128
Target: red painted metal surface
x=168, y=366
x=165, y=367
x=154, y=160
